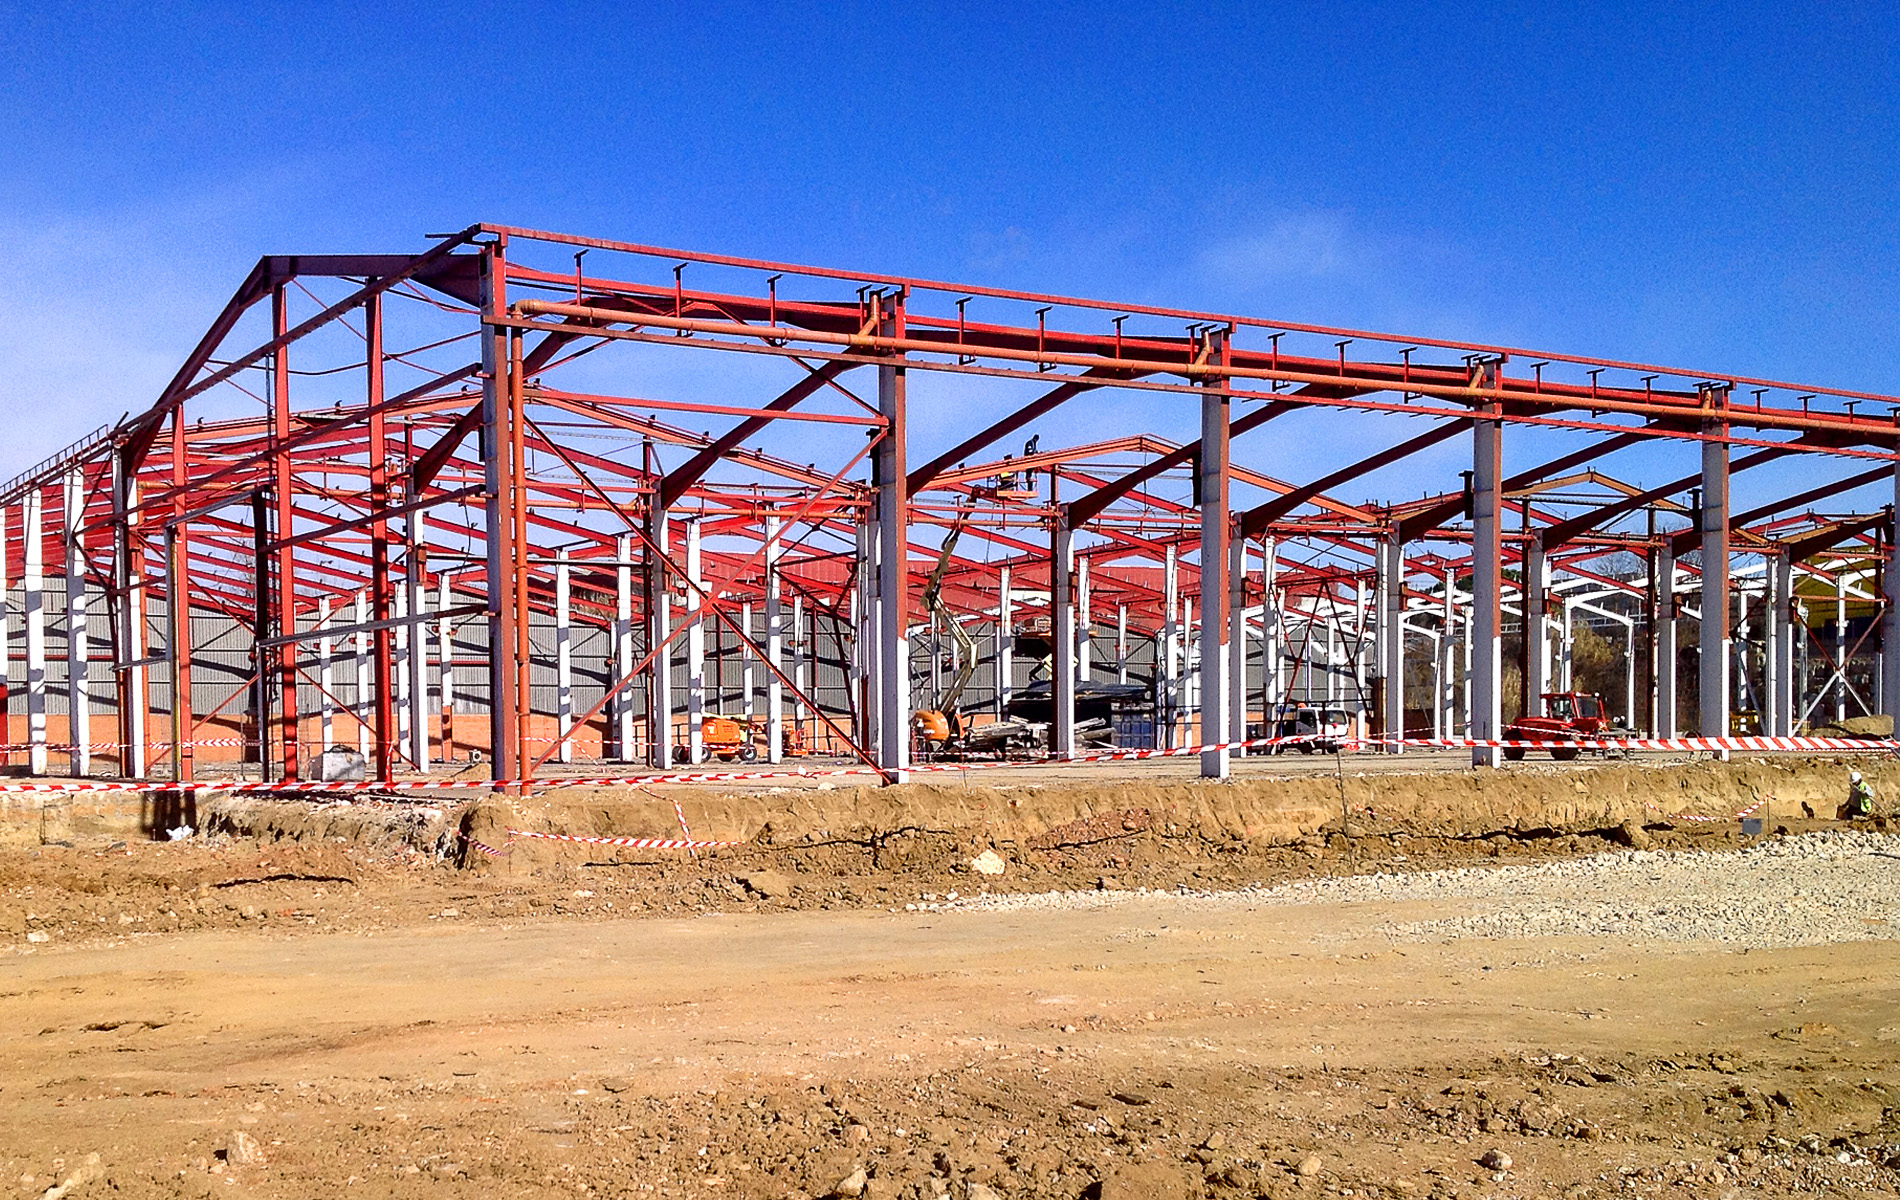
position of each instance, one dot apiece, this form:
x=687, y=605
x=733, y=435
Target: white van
x=1317, y=728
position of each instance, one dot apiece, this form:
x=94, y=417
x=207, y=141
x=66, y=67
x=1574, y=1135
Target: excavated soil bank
x=1035, y=823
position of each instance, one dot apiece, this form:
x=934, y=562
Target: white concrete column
x=1451, y=637
x=1714, y=670
x=1355, y=650
x=1840, y=643
x=746, y=684
x=326, y=677
x=1169, y=669
x=893, y=584
x=132, y=625
x=933, y=631
x=418, y=588
x=1890, y=630
x=399, y=610
x=1062, y=637
x=1467, y=627
x=1084, y=624
x=78, y=639
x=1567, y=635
x=622, y=705
x=659, y=639
x=1332, y=653
x=1190, y=667
x=695, y=649
x=563, y=655
x=1237, y=642
x=1774, y=613
x=1271, y=692
x=1665, y=640
x=445, y=660
x=1803, y=623
x=1536, y=625
x=365, y=700
x=1783, y=650
x=801, y=660
x=1121, y=643
x=1391, y=638
x=865, y=644
x=1215, y=679
x=775, y=647
x=1005, y=643
x=1629, y=674
x=33, y=604
x=1487, y=554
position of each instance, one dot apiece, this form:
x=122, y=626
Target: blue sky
x=1713, y=185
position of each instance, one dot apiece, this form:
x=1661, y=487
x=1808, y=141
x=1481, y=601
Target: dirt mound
x=373, y=825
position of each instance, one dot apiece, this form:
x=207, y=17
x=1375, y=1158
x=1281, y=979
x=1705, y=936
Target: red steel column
x=498, y=486
x=178, y=606
x=520, y=645
x=262, y=622
x=379, y=589
x=128, y=617
x=283, y=606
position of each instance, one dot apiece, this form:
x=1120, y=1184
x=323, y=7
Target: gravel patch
x=1832, y=886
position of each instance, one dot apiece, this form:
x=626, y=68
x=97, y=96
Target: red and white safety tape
x=635, y=843
x=632, y=843
x=1695, y=744
x=68, y=747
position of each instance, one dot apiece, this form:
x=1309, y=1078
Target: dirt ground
x=336, y=1002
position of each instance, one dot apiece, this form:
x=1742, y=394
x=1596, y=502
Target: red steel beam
x=1255, y=520
x=676, y=481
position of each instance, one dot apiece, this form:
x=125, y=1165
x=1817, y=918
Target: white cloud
x=1309, y=245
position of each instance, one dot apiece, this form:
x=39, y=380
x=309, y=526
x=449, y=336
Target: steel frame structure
x=437, y=458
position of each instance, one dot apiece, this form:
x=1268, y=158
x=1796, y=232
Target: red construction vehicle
x=722, y=738
x=1569, y=717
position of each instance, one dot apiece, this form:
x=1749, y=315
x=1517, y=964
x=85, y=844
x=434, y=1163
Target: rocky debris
x=1633, y=835
x=1814, y=888
x=1087, y=830
x=88, y=1171
x=1309, y=1166
x=989, y=863
x=1879, y=726
x=851, y=1185
x=1495, y=1159
x=242, y=1150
